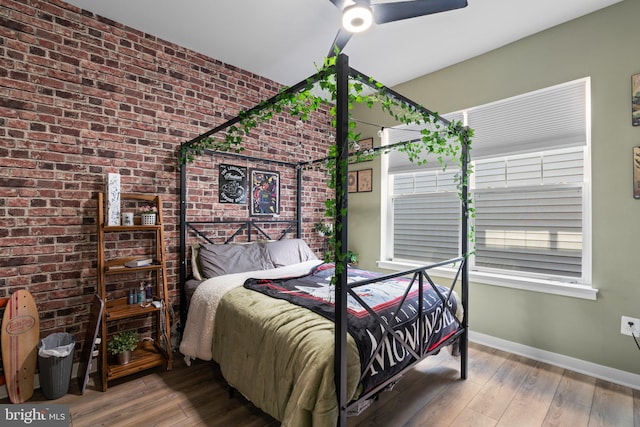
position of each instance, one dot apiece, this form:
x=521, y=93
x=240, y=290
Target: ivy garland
x=443, y=140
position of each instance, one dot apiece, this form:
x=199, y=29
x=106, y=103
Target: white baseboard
x=606, y=373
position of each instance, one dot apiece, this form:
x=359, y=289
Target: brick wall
x=81, y=96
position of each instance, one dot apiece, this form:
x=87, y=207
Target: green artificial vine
x=301, y=101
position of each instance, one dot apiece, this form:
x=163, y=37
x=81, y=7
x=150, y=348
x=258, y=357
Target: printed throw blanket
x=315, y=292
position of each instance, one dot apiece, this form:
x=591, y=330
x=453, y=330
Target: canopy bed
x=310, y=342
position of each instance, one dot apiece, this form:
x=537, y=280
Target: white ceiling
x=283, y=40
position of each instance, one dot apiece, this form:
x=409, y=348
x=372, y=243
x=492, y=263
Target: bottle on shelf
x=148, y=292
x=141, y=297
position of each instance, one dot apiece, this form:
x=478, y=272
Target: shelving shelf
x=119, y=309
x=149, y=354
x=146, y=356
x=119, y=268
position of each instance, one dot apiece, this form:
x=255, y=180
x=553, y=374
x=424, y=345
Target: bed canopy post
x=299, y=201
x=464, y=339
x=183, y=244
x=342, y=131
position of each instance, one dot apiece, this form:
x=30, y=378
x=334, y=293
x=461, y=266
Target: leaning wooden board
x=20, y=334
x=93, y=327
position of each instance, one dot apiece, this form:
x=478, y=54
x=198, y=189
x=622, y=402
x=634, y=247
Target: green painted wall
x=603, y=45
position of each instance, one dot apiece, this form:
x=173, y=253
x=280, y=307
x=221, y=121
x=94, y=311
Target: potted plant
x=122, y=345
x=323, y=230
x=326, y=231
x=148, y=214
x=352, y=257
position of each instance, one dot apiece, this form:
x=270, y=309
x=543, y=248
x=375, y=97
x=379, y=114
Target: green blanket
x=280, y=357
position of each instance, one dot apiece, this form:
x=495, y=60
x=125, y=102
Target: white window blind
x=547, y=119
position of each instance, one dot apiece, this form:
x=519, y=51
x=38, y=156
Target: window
x=530, y=189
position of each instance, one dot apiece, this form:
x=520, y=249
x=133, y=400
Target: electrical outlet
x=627, y=329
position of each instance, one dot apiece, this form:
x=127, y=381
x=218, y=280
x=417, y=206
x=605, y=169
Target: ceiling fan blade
x=338, y=3
x=341, y=40
x=390, y=12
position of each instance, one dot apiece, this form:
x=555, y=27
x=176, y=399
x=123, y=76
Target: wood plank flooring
x=502, y=389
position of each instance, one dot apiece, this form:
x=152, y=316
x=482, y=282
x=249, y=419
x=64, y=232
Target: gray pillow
x=217, y=260
x=289, y=251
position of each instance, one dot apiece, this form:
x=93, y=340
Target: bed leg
x=455, y=348
x=464, y=355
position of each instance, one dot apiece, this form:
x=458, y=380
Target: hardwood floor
x=502, y=389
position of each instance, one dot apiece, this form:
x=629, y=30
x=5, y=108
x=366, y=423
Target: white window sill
x=515, y=282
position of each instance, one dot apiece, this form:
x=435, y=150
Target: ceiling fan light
x=357, y=18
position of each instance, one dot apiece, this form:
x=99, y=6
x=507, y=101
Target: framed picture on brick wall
x=232, y=184
x=265, y=193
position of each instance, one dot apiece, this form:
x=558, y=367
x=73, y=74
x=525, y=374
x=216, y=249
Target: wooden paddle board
x=20, y=335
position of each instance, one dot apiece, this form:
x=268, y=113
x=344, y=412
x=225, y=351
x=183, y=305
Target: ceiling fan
x=358, y=15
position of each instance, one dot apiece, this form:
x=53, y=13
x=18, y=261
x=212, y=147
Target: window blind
x=550, y=118
x=547, y=119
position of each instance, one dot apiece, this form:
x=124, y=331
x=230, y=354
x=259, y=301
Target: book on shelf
x=141, y=262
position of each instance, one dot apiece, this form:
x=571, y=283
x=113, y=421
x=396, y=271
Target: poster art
x=265, y=193
x=232, y=183
x=113, y=199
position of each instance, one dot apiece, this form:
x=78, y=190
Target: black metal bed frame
x=424, y=349
x=342, y=289
x=241, y=226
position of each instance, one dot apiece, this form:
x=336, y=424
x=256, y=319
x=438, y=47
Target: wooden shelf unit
x=148, y=354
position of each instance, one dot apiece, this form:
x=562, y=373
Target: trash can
x=55, y=360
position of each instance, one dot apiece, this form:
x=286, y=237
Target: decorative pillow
x=289, y=251
x=217, y=260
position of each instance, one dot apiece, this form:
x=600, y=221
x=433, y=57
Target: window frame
x=573, y=287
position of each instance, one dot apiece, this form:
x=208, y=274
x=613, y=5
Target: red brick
x=85, y=96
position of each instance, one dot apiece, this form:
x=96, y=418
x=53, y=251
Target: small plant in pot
x=122, y=345
x=323, y=230
x=352, y=257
